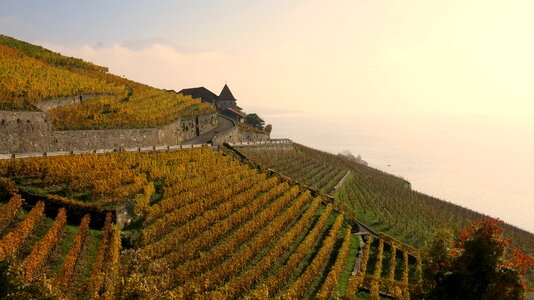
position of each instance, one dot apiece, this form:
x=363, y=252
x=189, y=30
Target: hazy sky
x=349, y=57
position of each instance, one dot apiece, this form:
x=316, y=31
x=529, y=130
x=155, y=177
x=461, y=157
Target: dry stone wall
x=234, y=135
x=229, y=136
x=48, y=105
x=24, y=132
x=249, y=136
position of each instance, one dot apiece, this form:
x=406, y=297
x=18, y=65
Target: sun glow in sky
x=357, y=57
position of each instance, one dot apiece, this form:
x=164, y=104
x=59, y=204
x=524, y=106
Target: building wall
x=222, y=104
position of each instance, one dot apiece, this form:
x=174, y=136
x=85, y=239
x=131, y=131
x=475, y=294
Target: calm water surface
x=484, y=163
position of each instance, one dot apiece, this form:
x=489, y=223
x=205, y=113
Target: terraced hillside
x=312, y=168
x=69, y=255
x=204, y=225
x=383, y=201
x=30, y=74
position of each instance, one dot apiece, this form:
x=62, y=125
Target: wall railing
x=162, y=148
x=271, y=141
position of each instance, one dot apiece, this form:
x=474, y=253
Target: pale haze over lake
x=480, y=162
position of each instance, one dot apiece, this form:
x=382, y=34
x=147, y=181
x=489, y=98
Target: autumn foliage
x=67, y=269
x=11, y=242
x=40, y=251
x=31, y=74
x=481, y=264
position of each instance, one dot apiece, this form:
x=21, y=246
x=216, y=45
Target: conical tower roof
x=226, y=94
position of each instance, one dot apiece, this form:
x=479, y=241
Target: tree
x=255, y=121
x=268, y=128
x=480, y=264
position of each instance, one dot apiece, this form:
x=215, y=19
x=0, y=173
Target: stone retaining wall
x=24, y=132
x=249, y=136
x=48, y=105
x=234, y=135
x=228, y=136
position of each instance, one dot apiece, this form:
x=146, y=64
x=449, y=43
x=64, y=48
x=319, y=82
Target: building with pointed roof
x=226, y=99
x=226, y=103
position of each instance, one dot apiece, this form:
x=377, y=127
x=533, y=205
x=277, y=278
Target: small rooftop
x=236, y=112
x=226, y=94
x=200, y=92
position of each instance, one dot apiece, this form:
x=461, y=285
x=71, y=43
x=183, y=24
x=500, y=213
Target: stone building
x=225, y=102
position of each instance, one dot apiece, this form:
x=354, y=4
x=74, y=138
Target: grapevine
x=41, y=250
x=332, y=277
x=10, y=243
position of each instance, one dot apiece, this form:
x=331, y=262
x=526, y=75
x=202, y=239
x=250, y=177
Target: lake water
x=484, y=163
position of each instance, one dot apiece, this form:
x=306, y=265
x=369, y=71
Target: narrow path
x=358, y=262
x=340, y=183
x=222, y=125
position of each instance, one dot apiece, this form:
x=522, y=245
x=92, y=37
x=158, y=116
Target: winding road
x=223, y=124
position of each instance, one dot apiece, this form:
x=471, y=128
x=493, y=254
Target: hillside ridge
x=49, y=102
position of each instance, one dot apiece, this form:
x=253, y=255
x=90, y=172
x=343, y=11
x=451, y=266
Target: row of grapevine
x=40, y=251
x=40, y=256
x=63, y=279
x=112, y=265
x=238, y=259
x=299, y=286
x=50, y=57
x=171, y=201
x=250, y=277
x=381, y=200
x=274, y=283
x=8, y=211
x=215, y=228
x=380, y=280
x=10, y=243
x=218, y=252
x=185, y=233
x=308, y=170
x=97, y=274
x=333, y=276
x=208, y=237
x=30, y=80
x=30, y=74
x=105, y=178
x=192, y=210
x=375, y=283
